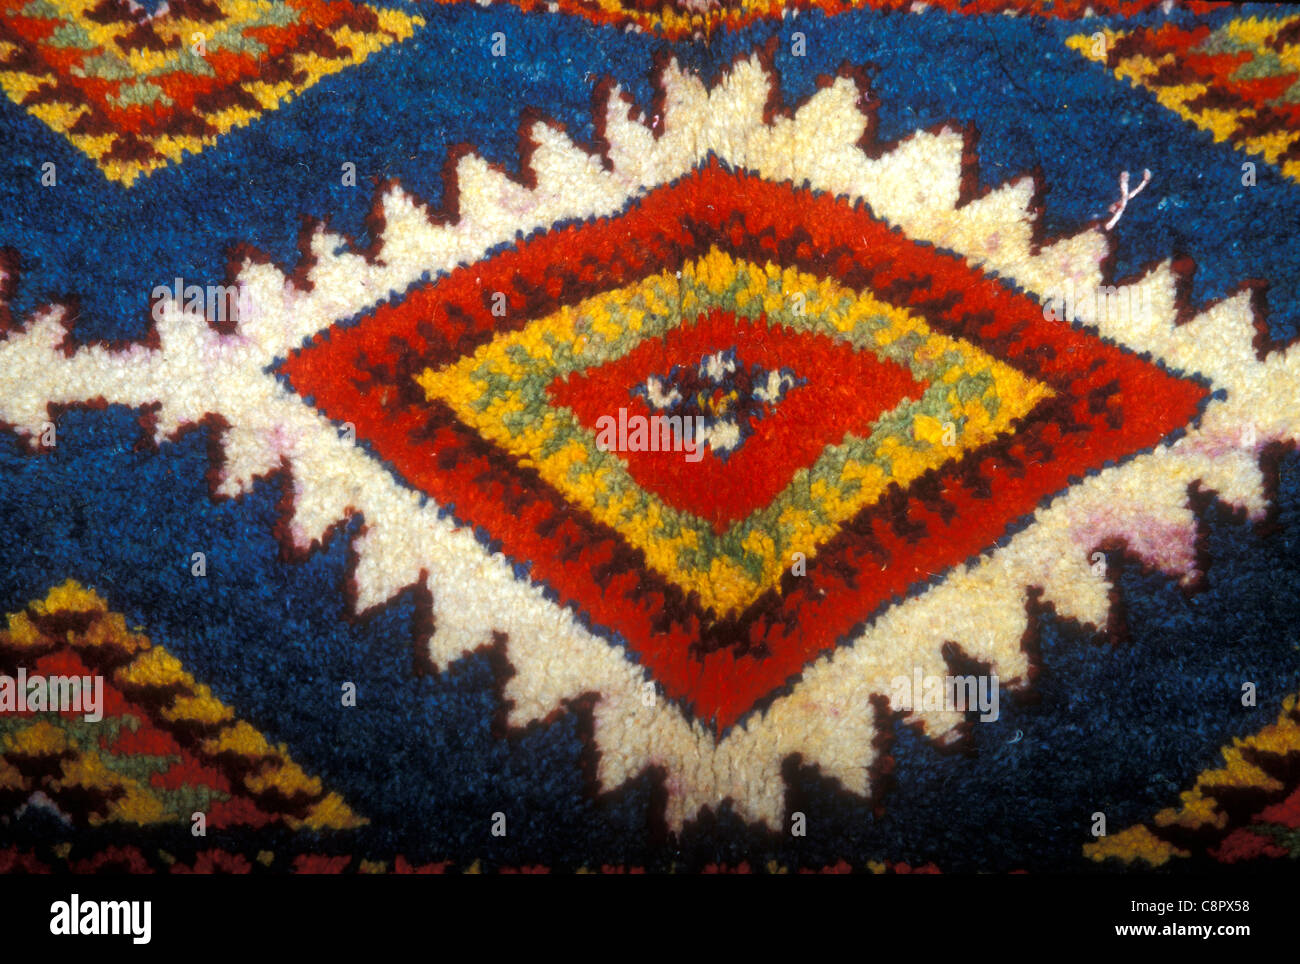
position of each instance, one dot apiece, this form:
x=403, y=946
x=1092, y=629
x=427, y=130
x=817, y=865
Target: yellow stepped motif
x=70, y=761
x=1202, y=811
x=1256, y=40
x=110, y=97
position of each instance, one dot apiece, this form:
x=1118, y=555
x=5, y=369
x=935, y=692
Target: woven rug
x=619, y=437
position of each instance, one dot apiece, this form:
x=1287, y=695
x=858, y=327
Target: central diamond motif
x=724, y=530
x=875, y=408
x=731, y=484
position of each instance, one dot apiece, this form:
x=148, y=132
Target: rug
x=834, y=436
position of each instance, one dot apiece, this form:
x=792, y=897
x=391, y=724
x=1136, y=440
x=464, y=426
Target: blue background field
x=1118, y=729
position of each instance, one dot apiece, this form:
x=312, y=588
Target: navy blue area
x=394, y=116
x=1117, y=729
x=1037, y=104
x=274, y=640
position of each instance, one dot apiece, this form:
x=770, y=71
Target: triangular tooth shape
x=1075, y=583
x=1260, y=406
x=748, y=772
x=1070, y=264
x=453, y=639
x=407, y=229
x=631, y=144
x=833, y=728
x=549, y=670
x=325, y=245
x=686, y=112
x=565, y=171
x=899, y=646
x=1150, y=304
x=1012, y=203
x=476, y=596
x=744, y=92
x=1142, y=315
x=918, y=184
x=985, y=615
x=1220, y=341
x=1236, y=478
x=316, y=509
x=741, y=770
x=387, y=562
x=737, y=106
x=820, y=144
x=43, y=333
x=1005, y=249
x=1150, y=515
x=488, y=188
x=644, y=734
x=263, y=318
x=341, y=282
x=325, y=492
x=250, y=453
x=832, y=116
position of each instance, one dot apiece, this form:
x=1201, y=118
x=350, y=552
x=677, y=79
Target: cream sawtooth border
x=192, y=371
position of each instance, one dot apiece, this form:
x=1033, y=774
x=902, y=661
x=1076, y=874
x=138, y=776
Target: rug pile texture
x=759, y=436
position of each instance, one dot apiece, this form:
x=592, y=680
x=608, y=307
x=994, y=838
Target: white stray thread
x=1119, y=206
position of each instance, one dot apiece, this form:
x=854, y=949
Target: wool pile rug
x=618, y=437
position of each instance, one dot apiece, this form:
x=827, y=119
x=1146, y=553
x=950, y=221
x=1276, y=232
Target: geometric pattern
x=165, y=747
x=456, y=398
x=914, y=460
x=135, y=93
x=677, y=19
x=695, y=521
x=1246, y=809
x=1239, y=81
